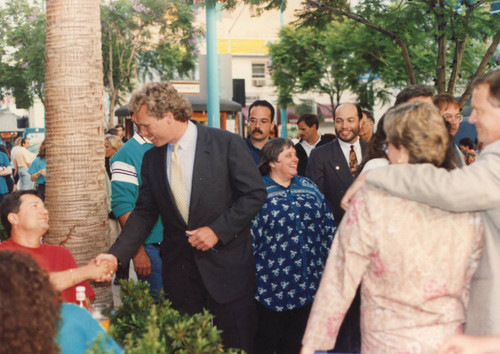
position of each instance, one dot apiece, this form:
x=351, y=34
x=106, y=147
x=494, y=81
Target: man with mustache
x=331, y=167
x=260, y=122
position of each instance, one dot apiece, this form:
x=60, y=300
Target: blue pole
x=213, y=109
x=284, y=128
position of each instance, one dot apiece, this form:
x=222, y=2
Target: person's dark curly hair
x=160, y=98
x=374, y=149
x=29, y=309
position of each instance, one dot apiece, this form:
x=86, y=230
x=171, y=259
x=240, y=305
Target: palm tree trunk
x=75, y=132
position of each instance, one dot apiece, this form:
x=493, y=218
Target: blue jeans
x=155, y=279
x=24, y=179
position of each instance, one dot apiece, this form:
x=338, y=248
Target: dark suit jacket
x=302, y=154
x=328, y=168
x=227, y=192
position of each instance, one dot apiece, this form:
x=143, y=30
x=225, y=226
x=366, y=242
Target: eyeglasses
x=262, y=121
x=450, y=118
x=385, y=146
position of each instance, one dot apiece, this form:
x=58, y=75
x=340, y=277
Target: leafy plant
x=146, y=324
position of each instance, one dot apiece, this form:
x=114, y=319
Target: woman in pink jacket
x=414, y=262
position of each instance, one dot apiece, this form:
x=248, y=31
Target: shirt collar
x=344, y=144
x=141, y=139
x=251, y=145
x=189, y=137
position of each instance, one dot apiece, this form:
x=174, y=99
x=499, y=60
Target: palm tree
x=75, y=133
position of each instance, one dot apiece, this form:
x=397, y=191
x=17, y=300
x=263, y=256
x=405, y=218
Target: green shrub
x=144, y=324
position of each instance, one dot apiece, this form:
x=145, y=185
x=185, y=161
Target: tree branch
x=480, y=69
x=441, y=58
x=457, y=63
x=475, y=6
x=400, y=42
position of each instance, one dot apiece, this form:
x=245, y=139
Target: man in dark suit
x=331, y=167
x=206, y=189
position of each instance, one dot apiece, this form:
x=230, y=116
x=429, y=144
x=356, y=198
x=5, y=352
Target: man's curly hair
x=29, y=309
x=160, y=98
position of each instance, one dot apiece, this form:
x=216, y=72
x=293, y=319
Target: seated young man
x=26, y=220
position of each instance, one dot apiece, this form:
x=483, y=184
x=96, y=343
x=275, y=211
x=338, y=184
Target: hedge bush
x=146, y=324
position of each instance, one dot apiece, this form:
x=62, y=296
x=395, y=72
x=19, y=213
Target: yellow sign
x=242, y=46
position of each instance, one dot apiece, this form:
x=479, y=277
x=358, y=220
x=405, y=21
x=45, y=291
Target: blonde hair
x=419, y=127
x=160, y=98
x=114, y=141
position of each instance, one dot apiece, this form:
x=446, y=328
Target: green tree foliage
x=146, y=325
x=148, y=38
x=22, y=51
x=329, y=60
x=442, y=42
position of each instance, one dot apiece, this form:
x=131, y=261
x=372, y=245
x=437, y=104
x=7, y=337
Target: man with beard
x=260, y=123
x=331, y=167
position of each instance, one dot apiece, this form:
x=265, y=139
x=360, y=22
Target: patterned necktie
x=353, y=161
x=177, y=184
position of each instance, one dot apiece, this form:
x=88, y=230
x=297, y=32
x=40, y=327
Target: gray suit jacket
x=472, y=188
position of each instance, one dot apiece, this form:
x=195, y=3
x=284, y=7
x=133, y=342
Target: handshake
x=102, y=268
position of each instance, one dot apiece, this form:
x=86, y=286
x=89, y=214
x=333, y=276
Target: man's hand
x=142, y=263
x=102, y=272
x=108, y=259
x=353, y=189
x=203, y=238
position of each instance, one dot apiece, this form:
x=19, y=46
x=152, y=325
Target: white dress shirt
x=308, y=147
x=346, y=149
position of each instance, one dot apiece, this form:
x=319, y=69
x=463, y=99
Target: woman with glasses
x=414, y=262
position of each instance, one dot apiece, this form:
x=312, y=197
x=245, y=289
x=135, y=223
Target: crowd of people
x=362, y=241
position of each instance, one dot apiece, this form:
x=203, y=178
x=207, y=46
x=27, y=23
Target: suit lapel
x=161, y=171
x=340, y=165
x=201, y=168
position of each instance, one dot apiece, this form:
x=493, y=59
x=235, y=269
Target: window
x=258, y=74
x=258, y=70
